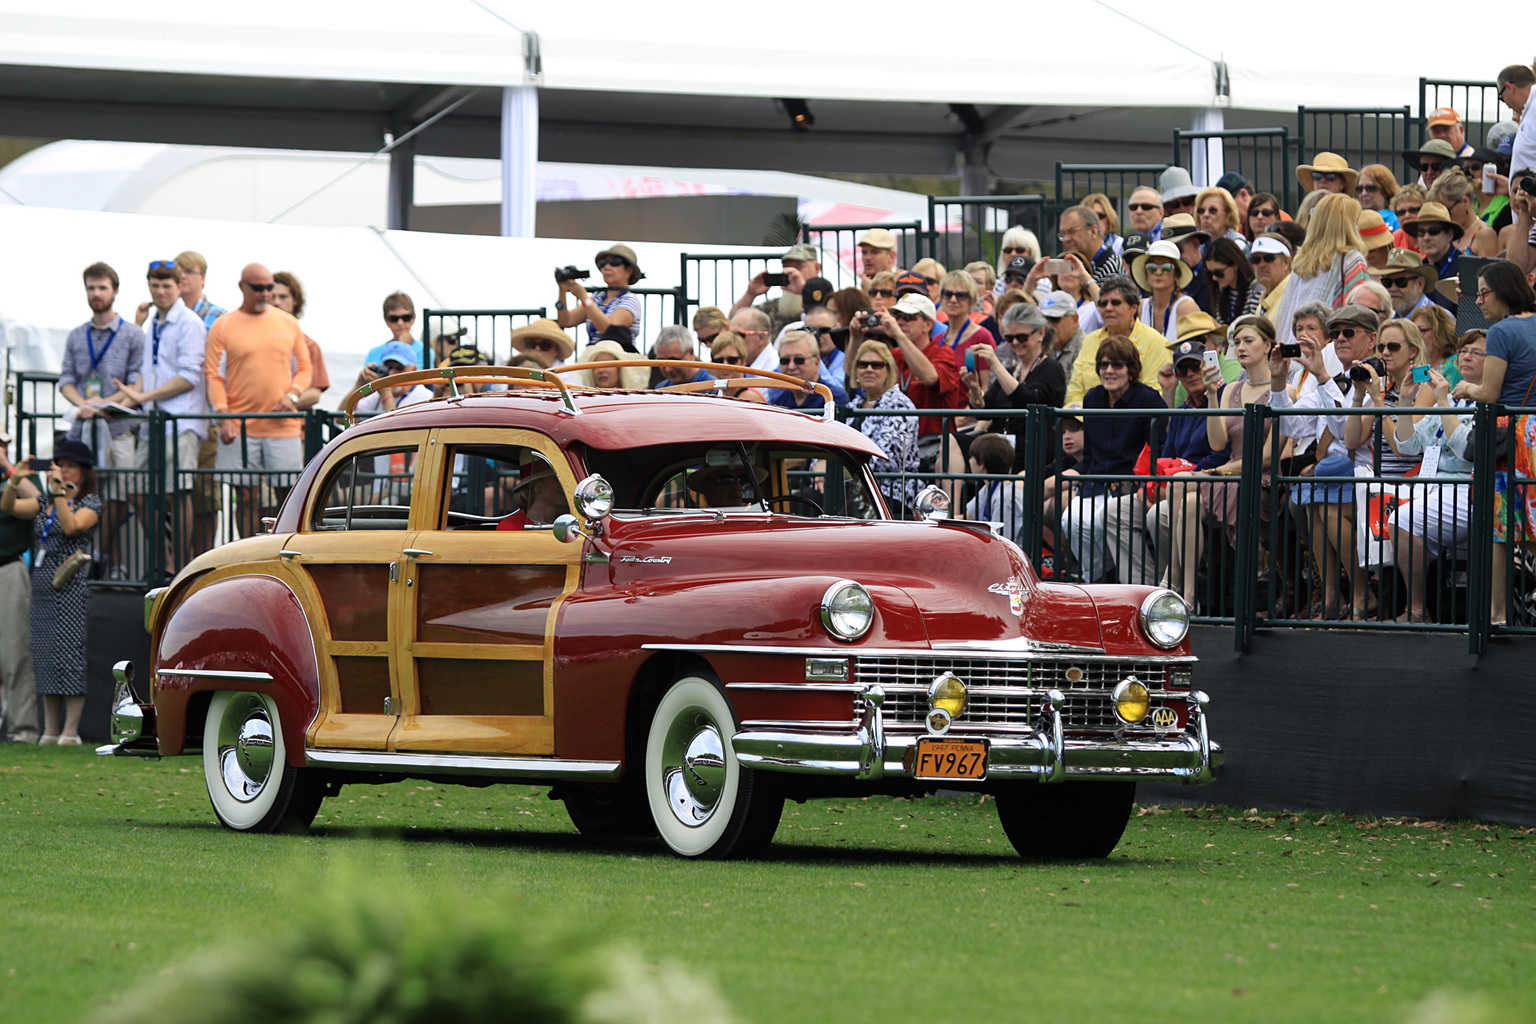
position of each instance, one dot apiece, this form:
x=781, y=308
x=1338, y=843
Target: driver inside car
x=732, y=486
x=539, y=494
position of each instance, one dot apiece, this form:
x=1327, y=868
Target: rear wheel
x=1066, y=821
x=252, y=786
x=703, y=802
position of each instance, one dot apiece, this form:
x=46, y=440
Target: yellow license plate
x=950, y=759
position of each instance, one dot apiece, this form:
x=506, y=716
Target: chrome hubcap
x=246, y=748
x=693, y=768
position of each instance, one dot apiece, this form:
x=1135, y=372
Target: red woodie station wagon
x=676, y=610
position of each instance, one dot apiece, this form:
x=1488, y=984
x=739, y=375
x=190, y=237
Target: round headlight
x=1165, y=618
x=947, y=692
x=931, y=503
x=847, y=610
x=1132, y=701
x=594, y=497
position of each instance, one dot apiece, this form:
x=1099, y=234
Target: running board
x=405, y=763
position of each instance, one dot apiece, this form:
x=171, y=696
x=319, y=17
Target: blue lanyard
x=105, y=348
x=53, y=517
x=1107, y=245
x=986, y=509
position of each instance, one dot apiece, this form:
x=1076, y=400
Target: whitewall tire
x=252, y=786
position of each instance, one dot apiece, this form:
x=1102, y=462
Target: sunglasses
x=709, y=340
x=932, y=281
x=797, y=360
x=1111, y=364
x=1390, y=346
x=904, y=317
x=729, y=360
x=1140, y=207
x=394, y=318
x=730, y=478
x=613, y=261
x=1019, y=249
x=1408, y=211
x=1361, y=190
x=1434, y=229
x=162, y=265
x=1160, y=268
x=258, y=287
x=1399, y=282
x=1431, y=165
x=1018, y=339
x=1264, y=213
x=1347, y=333
x=870, y=364
x=1263, y=257
x=885, y=293
x=1187, y=203
x=947, y=294
x=1106, y=303
x=1210, y=211
x=1326, y=176
x=540, y=344
x=1215, y=270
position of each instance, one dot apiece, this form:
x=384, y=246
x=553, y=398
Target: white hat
x=915, y=303
x=1269, y=243
x=1175, y=184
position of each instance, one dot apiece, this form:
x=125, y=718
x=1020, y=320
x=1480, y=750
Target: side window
x=501, y=487
x=368, y=491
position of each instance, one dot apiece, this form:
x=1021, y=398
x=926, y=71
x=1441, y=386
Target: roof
x=614, y=420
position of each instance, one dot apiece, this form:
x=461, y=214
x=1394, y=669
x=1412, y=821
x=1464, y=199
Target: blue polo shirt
x=697, y=376
x=786, y=398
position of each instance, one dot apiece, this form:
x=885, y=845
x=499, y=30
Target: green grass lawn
x=877, y=910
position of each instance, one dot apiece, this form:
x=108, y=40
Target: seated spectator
x=1430, y=158
x=1459, y=194
x=877, y=255
x=545, y=341
x=882, y=292
x=752, y=326
x=1217, y=214
x=799, y=357
x=1102, y=205
x=1178, y=194
x=985, y=277
x=1435, y=234
x=1110, y=446
x=1308, y=202
x=1118, y=304
x=399, y=317
x=1444, y=123
x=996, y=501
x=1181, y=229
x=1438, y=519
x=1065, y=339
x=878, y=379
x=1241, y=191
x=1065, y=455
x=730, y=349
x=931, y=272
x=628, y=378
x=1439, y=330
x=1183, y=449
x=676, y=342
x=1377, y=237
x=1040, y=380
x=1144, y=209
x=1082, y=235
x=1163, y=275
x=1329, y=172
x=463, y=358
x=288, y=296
x=1263, y=214
x=1270, y=258
x=926, y=369
x=1015, y=278
x=821, y=323
x=1406, y=279
x=612, y=306
x=1017, y=242
x=1375, y=189
x=959, y=294
x=397, y=358
x=1373, y=297
x=1492, y=207
x=1405, y=207
x=1235, y=289
x=708, y=322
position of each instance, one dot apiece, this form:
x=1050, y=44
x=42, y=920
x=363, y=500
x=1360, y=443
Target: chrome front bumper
x=866, y=751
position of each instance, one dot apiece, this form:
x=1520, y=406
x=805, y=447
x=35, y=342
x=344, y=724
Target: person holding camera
x=18, y=686
x=63, y=518
x=614, y=305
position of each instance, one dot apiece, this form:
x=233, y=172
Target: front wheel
x=1066, y=821
x=245, y=763
x=704, y=803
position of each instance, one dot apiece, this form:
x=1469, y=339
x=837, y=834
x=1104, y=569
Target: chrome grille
x=1006, y=693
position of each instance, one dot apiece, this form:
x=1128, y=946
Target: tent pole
x=1206, y=162
x=519, y=159
x=402, y=186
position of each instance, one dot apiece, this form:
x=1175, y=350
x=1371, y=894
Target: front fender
x=237, y=624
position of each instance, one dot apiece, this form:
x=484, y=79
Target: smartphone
x=1421, y=374
x=772, y=280
x=970, y=359
x=1290, y=350
x=1211, y=359
x=1490, y=183
x=41, y=465
x=1058, y=266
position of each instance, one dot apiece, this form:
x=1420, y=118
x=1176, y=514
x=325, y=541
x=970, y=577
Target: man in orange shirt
x=257, y=362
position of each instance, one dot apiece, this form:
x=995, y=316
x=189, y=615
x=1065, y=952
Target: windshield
x=736, y=476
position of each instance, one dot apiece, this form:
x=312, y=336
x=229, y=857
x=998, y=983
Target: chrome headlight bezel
x=1161, y=609
x=593, y=497
x=931, y=503
x=839, y=618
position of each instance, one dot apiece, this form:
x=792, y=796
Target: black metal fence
x=1476, y=102
x=965, y=229
x=1362, y=136
x=839, y=245
x=1117, y=181
x=719, y=279
x=1267, y=157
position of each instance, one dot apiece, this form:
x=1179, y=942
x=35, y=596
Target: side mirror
x=567, y=528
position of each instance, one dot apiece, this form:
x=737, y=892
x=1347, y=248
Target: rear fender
x=254, y=629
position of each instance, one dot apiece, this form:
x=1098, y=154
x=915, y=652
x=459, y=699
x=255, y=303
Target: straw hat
x=1402, y=260
x=1161, y=250
x=1374, y=230
x=1200, y=324
x=1327, y=163
x=1182, y=225
x=1432, y=213
x=626, y=254
x=547, y=329
x=631, y=378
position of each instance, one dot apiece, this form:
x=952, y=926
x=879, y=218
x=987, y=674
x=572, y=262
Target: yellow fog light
x=947, y=692
x=1132, y=701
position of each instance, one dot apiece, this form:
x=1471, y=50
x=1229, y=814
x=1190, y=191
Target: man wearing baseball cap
x=1271, y=261
x=801, y=263
x=877, y=253
x=1445, y=123
x=1065, y=339
x=926, y=371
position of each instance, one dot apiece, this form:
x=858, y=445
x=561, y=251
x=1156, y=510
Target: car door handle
x=416, y=552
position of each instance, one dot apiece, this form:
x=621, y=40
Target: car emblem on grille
x=1164, y=718
x=1073, y=675
x=1011, y=589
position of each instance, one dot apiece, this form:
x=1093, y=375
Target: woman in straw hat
x=1328, y=264
x=614, y=305
x=1329, y=172
x=1455, y=191
x=630, y=378
x=1165, y=275
x=545, y=341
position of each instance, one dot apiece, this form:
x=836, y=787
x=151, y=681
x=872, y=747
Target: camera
x=775, y=280
x=1421, y=375
x=571, y=274
x=41, y=465
x=871, y=322
x=1528, y=184
x=1290, y=350
x=1357, y=372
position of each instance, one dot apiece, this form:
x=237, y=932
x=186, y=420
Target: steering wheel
x=796, y=497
